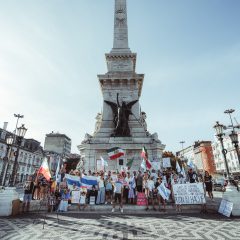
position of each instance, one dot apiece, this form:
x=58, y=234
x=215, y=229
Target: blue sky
x=52, y=50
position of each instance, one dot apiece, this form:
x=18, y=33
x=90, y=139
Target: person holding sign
x=160, y=198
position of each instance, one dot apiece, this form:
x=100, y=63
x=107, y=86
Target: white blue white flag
x=71, y=180
x=89, y=181
x=183, y=172
x=178, y=167
x=163, y=191
x=57, y=175
x=190, y=164
x=104, y=162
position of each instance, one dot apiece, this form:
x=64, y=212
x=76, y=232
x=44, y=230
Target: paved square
x=99, y=226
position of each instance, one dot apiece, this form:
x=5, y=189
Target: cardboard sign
x=156, y=165
x=190, y=193
x=167, y=163
x=75, y=196
x=92, y=200
x=82, y=199
x=141, y=199
x=225, y=208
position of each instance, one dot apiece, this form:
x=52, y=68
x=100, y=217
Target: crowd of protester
x=112, y=187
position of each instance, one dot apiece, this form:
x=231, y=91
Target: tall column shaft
x=120, y=42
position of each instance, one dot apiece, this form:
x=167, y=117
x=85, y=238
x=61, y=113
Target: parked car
x=218, y=185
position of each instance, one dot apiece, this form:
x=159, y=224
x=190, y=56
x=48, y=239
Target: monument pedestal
x=233, y=195
x=91, y=152
x=7, y=196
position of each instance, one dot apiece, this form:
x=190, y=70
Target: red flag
x=144, y=155
x=44, y=169
x=148, y=164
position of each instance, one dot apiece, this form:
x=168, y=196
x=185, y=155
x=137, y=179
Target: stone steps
x=106, y=208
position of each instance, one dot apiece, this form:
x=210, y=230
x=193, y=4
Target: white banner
x=166, y=163
x=190, y=193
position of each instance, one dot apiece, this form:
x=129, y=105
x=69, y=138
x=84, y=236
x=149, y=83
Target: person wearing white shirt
x=149, y=192
x=118, y=193
x=101, y=191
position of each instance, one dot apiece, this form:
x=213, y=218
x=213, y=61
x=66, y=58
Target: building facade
x=232, y=159
x=201, y=155
x=30, y=157
x=57, y=143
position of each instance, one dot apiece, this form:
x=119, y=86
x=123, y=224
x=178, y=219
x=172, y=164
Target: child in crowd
x=65, y=196
x=82, y=199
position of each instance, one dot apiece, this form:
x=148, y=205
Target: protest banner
x=190, y=193
x=167, y=163
x=75, y=196
x=225, y=208
x=141, y=199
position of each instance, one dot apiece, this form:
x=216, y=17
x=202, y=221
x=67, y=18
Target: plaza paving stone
x=120, y=226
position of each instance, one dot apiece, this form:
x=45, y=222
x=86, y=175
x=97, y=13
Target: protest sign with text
x=75, y=196
x=225, y=208
x=190, y=193
x=167, y=163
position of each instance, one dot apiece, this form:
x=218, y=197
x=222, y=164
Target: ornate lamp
x=219, y=129
x=9, y=140
x=234, y=137
x=21, y=131
x=219, y=133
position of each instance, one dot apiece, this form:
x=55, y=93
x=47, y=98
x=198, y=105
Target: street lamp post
x=233, y=135
x=234, y=139
x=9, y=141
x=219, y=133
x=231, y=194
x=21, y=131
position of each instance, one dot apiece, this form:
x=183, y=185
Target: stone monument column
x=120, y=40
x=122, y=124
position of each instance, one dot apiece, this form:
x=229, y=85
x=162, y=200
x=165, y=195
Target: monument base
x=7, y=196
x=92, y=151
x=233, y=195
